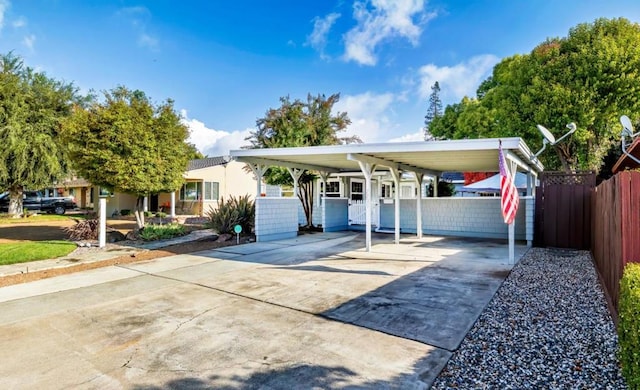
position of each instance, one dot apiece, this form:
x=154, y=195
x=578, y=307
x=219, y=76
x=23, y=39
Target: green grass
x=22, y=252
x=6, y=220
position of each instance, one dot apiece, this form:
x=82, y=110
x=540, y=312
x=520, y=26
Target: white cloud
x=4, y=5
x=29, y=41
x=413, y=137
x=139, y=18
x=20, y=22
x=456, y=81
x=385, y=19
x=318, y=37
x=212, y=142
x=369, y=114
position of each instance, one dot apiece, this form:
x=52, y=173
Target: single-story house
x=207, y=181
x=351, y=171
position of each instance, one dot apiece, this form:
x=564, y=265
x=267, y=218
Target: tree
x=589, y=77
x=433, y=111
x=298, y=123
x=32, y=107
x=129, y=145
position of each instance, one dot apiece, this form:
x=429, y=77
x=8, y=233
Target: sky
x=225, y=63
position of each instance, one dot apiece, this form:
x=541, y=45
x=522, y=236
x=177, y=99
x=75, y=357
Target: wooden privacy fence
x=615, y=233
x=563, y=210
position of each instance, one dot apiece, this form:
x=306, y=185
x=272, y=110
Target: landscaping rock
x=224, y=237
x=115, y=236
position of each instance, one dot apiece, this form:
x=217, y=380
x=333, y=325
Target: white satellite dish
x=547, y=134
x=550, y=139
x=627, y=131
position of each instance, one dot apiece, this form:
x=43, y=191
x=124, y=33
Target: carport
x=275, y=220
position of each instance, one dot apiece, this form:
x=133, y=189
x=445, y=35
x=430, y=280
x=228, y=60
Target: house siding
x=276, y=218
x=336, y=214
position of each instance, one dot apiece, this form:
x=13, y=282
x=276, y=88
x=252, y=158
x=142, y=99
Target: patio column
x=395, y=173
x=323, y=176
x=258, y=170
x=295, y=174
x=145, y=204
x=367, y=170
x=435, y=186
x=419, y=182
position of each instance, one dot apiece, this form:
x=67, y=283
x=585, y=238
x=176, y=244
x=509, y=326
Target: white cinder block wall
x=276, y=218
x=459, y=216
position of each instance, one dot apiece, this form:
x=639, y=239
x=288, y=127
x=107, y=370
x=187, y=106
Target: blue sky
x=225, y=63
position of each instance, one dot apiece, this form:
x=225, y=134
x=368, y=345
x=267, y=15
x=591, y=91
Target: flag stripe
x=509, y=198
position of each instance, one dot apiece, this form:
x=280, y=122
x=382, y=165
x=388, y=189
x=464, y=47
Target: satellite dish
x=547, y=134
x=627, y=126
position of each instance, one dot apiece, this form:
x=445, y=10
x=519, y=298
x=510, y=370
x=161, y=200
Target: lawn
x=5, y=219
x=21, y=252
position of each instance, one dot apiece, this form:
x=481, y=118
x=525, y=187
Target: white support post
x=323, y=176
x=367, y=169
x=512, y=243
x=435, y=186
x=258, y=171
x=102, y=238
x=419, y=182
x=173, y=204
x=145, y=204
x=395, y=173
x=295, y=174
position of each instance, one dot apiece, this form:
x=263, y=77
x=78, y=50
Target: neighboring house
x=208, y=180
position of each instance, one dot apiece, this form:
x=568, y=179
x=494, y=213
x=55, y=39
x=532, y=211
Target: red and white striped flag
x=509, y=197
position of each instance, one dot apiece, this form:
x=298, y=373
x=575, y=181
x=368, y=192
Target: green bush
x=125, y=212
x=236, y=211
x=160, y=214
x=162, y=232
x=629, y=325
x=148, y=214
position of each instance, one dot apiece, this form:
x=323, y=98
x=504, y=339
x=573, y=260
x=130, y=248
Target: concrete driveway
x=314, y=312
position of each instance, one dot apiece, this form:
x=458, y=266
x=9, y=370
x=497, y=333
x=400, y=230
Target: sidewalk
x=95, y=254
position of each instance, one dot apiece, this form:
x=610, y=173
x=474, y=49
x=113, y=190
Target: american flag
x=509, y=197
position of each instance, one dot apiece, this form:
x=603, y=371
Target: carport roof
x=430, y=157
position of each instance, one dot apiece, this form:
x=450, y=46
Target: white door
x=358, y=207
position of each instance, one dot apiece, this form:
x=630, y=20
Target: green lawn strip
x=5, y=220
x=22, y=252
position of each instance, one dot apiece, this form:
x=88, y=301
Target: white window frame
x=352, y=192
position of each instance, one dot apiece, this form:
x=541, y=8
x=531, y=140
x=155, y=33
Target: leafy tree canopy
x=590, y=77
x=297, y=123
x=127, y=144
x=32, y=107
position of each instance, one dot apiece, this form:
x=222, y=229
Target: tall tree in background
x=433, y=111
x=32, y=107
x=589, y=77
x=127, y=144
x=298, y=123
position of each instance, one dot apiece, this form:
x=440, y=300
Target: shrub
x=83, y=230
x=148, y=214
x=160, y=214
x=236, y=211
x=162, y=232
x=125, y=212
x=629, y=325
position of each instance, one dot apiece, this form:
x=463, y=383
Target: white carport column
x=258, y=170
x=367, y=170
x=323, y=176
x=145, y=204
x=295, y=174
x=395, y=173
x=419, y=183
x=435, y=186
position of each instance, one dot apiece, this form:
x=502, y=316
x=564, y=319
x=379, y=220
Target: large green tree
x=300, y=123
x=127, y=144
x=32, y=107
x=590, y=77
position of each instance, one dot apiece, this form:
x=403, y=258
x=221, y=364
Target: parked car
x=34, y=201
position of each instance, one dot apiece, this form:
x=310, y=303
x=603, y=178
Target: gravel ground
x=547, y=327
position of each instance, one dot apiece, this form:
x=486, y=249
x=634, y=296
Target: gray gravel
x=546, y=327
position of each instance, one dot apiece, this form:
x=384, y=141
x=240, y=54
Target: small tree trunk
x=15, y=201
x=305, y=194
x=139, y=212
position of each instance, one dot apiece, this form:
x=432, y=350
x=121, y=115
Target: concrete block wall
x=336, y=214
x=276, y=218
x=458, y=216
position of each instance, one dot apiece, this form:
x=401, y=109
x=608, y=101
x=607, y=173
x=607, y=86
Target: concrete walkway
x=315, y=311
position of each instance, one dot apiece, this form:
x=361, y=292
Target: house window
x=357, y=190
x=407, y=191
x=386, y=191
x=191, y=191
x=333, y=189
x=211, y=190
